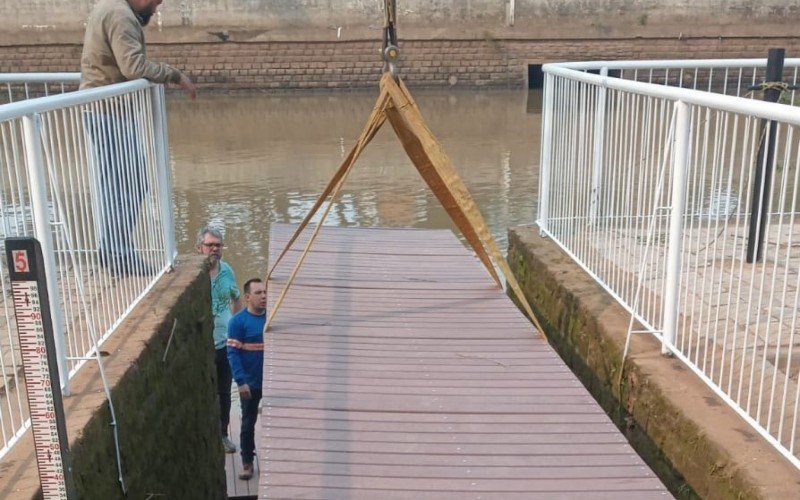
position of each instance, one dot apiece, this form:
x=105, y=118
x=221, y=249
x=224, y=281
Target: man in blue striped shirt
x=246, y=355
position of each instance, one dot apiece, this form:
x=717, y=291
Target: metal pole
x=672, y=285
x=510, y=8
x=547, y=147
x=163, y=171
x=597, y=153
x=32, y=135
x=760, y=201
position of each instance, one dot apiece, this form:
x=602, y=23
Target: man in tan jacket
x=114, y=52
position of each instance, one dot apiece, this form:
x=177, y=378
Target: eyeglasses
x=213, y=245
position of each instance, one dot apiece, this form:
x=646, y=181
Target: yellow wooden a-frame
x=396, y=105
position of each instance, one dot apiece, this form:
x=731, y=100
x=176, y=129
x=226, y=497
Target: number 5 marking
x=20, y=258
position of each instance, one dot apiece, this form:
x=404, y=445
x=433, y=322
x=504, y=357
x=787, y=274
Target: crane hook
x=390, y=51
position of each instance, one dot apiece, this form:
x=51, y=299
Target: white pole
x=163, y=171
x=680, y=160
x=510, y=8
x=547, y=147
x=599, y=139
x=32, y=135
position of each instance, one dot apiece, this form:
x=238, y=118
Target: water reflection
x=246, y=161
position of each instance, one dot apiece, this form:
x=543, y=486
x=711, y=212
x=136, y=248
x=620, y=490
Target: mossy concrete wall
x=696, y=444
x=164, y=394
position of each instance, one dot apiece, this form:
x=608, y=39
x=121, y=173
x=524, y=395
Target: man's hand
x=188, y=86
x=244, y=391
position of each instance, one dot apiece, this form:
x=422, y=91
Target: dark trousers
x=249, y=416
x=121, y=178
x=223, y=387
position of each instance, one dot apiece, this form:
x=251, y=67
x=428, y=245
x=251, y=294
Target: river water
x=245, y=161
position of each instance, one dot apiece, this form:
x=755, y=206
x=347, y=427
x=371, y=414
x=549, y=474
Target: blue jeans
x=247, y=443
x=120, y=178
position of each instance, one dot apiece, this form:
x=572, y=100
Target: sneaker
x=228, y=445
x=247, y=472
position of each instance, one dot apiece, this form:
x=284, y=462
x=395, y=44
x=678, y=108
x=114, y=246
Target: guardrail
x=23, y=86
x=650, y=172
x=87, y=174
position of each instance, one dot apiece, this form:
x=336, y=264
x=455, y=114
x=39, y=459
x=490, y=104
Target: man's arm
x=235, y=340
x=128, y=49
x=236, y=298
x=236, y=304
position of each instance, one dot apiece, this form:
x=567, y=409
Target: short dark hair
x=249, y=282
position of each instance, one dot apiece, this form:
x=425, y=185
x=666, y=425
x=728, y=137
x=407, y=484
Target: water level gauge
x=34, y=326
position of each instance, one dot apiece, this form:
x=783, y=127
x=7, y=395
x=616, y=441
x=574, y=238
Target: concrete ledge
x=166, y=408
x=544, y=31
x=694, y=442
x=590, y=27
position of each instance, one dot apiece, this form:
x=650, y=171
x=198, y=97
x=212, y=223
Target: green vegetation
x=792, y=98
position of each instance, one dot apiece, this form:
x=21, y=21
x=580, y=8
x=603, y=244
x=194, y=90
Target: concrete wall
x=70, y=14
x=165, y=401
x=696, y=444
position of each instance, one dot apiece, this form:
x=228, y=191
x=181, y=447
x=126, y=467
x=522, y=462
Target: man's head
x=145, y=9
x=255, y=296
x=209, y=243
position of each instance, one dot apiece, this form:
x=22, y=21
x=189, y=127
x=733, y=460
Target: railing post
x=760, y=204
x=163, y=171
x=42, y=230
x=597, y=148
x=680, y=160
x=547, y=147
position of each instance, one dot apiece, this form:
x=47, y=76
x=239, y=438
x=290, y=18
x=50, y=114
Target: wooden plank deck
x=396, y=369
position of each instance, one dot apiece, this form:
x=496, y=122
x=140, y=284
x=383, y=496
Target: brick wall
x=356, y=64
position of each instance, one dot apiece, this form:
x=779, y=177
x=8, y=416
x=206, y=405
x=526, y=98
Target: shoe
x=247, y=472
x=228, y=445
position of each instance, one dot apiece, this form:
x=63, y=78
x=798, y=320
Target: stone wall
x=479, y=62
x=165, y=403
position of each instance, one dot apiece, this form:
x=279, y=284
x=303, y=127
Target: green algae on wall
x=587, y=328
x=167, y=413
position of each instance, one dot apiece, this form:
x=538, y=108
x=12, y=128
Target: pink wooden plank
x=398, y=369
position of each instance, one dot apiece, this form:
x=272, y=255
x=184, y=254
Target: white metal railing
x=23, y=86
x=649, y=174
x=87, y=174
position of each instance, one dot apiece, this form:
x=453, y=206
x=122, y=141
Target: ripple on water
x=246, y=161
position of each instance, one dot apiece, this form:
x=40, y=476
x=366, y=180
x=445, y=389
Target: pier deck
x=397, y=369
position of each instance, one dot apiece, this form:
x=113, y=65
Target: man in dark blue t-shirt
x=246, y=355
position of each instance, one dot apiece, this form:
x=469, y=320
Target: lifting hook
x=390, y=51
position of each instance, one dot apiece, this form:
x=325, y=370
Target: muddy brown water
x=245, y=161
